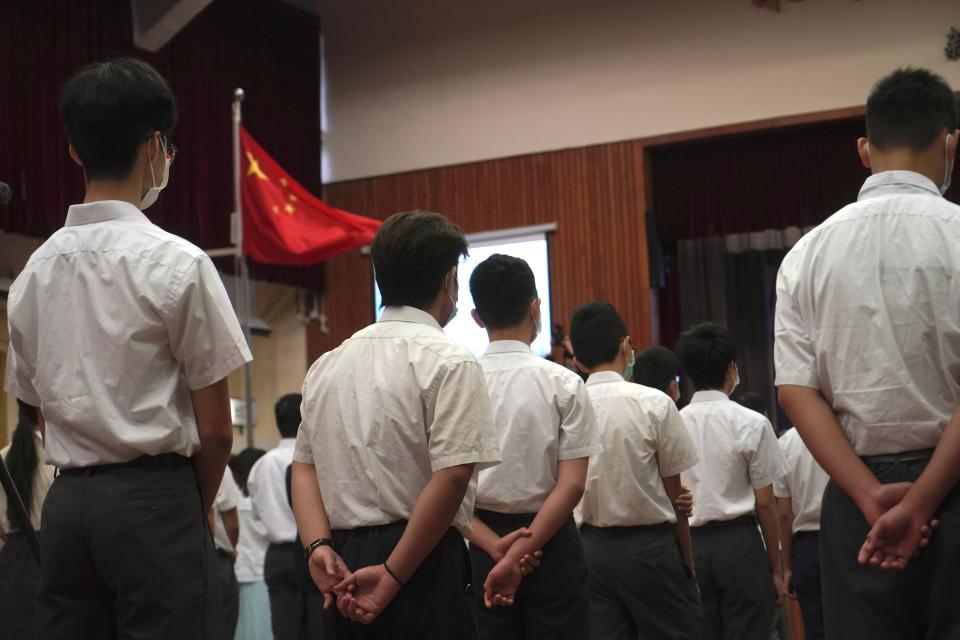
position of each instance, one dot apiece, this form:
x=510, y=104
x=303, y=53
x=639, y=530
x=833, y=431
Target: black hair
x=412, y=253
x=656, y=367
x=110, y=108
x=22, y=461
x=502, y=288
x=242, y=463
x=596, y=331
x=706, y=352
x=910, y=108
x=753, y=401
x=287, y=413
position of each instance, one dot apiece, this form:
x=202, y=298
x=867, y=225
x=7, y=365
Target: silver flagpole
x=243, y=292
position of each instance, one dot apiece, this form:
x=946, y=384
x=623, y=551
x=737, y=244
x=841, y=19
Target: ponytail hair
x=22, y=461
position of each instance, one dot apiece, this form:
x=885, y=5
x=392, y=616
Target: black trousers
x=552, y=603
x=736, y=588
x=640, y=585
x=288, y=605
x=19, y=585
x=229, y=595
x=126, y=552
x=921, y=601
x=432, y=606
x=805, y=565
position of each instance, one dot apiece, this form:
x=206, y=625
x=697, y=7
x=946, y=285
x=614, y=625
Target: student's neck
x=124, y=191
x=926, y=163
x=520, y=333
x=617, y=367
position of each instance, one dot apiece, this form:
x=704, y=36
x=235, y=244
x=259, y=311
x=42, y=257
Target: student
x=396, y=421
x=124, y=336
x=658, y=368
x=637, y=543
x=733, y=486
x=226, y=534
x=798, y=500
x=268, y=496
x=867, y=351
x=254, y=619
x=19, y=570
x=547, y=432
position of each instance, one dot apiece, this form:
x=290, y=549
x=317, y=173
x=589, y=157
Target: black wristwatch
x=313, y=546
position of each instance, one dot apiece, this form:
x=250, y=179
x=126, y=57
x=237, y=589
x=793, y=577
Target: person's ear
x=450, y=282
x=535, y=309
x=952, y=143
x=863, y=150
x=673, y=389
x=476, y=318
x=75, y=156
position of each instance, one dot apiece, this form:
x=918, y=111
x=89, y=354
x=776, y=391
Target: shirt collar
x=604, y=377
x=507, y=346
x=103, y=211
x=891, y=182
x=709, y=396
x=286, y=443
x=409, y=314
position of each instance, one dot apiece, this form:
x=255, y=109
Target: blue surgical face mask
x=948, y=171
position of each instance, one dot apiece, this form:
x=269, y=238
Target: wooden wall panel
x=596, y=195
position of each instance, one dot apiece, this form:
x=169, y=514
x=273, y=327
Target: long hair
x=22, y=461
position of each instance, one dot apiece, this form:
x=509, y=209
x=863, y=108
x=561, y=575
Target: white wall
x=424, y=83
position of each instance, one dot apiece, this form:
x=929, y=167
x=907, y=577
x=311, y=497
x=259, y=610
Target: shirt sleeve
x=228, y=495
x=675, y=450
x=303, y=450
x=205, y=336
x=793, y=352
x=766, y=461
x=781, y=486
x=579, y=436
x=460, y=427
x=19, y=375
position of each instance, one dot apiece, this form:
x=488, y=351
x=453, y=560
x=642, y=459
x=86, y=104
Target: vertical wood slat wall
x=596, y=195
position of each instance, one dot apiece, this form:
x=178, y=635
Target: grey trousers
x=126, y=552
x=923, y=601
x=640, y=586
x=229, y=595
x=736, y=588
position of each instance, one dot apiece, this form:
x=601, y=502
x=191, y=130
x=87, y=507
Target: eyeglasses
x=171, y=152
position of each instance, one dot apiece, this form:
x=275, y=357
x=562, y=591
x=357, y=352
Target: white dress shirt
x=112, y=322
x=738, y=454
x=804, y=483
x=644, y=440
x=867, y=312
x=384, y=410
x=252, y=545
x=42, y=479
x=228, y=496
x=267, y=484
x=542, y=414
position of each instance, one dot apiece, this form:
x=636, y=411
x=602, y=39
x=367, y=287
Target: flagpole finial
x=238, y=95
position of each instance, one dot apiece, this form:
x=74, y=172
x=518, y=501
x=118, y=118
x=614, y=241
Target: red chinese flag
x=283, y=223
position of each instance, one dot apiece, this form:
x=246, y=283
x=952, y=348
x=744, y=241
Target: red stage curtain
x=269, y=48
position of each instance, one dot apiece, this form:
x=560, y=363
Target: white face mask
x=154, y=191
x=736, y=379
x=948, y=170
x=453, y=312
x=631, y=360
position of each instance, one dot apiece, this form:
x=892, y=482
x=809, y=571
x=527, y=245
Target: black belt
x=163, y=461
x=747, y=520
x=806, y=534
x=661, y=527
x=920, y=455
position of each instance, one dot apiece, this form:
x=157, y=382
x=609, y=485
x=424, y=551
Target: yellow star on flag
x=283, y=181
x=292, y=197
x=289, y=208
x=276, y=209
x=254, y=168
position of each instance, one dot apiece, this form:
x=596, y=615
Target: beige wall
x=427, y=83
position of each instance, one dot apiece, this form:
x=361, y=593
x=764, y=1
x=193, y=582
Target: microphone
x=5, y=193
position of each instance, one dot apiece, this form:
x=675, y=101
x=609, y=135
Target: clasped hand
x=898, y=532
x=500, y=587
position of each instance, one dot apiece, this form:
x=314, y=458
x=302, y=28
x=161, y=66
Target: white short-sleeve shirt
x=384, y=410
x=267, y=484
x=542, y=414
x=252, y=544
x=738, y=454
x=868, y=312
x=113, y=322
x=227, y=499
x=644, y=440
x=804, y=483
